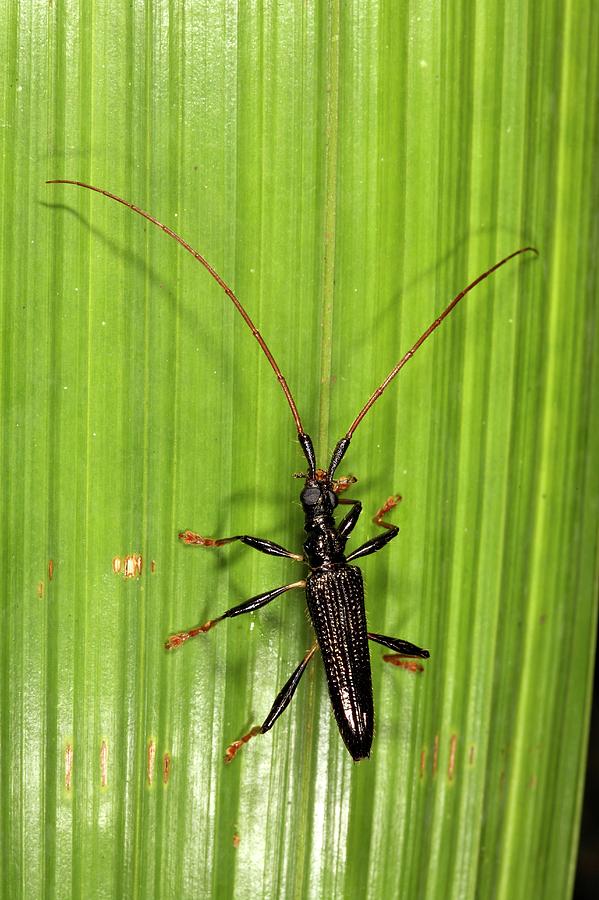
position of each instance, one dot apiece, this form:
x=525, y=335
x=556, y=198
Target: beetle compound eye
x=310, y=496
x=333, y=499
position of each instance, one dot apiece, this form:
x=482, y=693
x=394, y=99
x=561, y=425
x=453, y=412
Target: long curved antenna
x=375, y=396
x=219, y=280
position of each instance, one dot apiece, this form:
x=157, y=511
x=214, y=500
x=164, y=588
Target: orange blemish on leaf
x=68, y=766
x=166, y=767
x=104, y=764
x=151, y=761
x=133, y=565
x=130, y=565
x=453, y=743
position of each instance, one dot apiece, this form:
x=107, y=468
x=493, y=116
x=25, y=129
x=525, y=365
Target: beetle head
x=318, y=495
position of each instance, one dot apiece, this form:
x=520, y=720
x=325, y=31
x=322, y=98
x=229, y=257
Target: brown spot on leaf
x=68, y=767
x=151, y=761
x=133, y=565
x=104, y=764
x=130, y=565
x=453, y=743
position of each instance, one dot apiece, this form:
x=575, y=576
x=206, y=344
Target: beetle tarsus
x=403, y=662
x=387, y=506
x=175, y=640
x=233, y=749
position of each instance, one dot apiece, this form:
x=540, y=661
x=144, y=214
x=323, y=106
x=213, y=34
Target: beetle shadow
x=190, y=317
x=388, y=317
x=389, y=313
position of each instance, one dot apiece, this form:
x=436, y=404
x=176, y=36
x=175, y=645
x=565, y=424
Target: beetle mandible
x=334, y=588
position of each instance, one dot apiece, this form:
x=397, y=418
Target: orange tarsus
x=389, y=504
x=233, y=748
x=343, y=483
x=191, y=537
x=175, y=640
x=403, y=662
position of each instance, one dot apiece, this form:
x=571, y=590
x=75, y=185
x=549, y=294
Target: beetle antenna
x=407, y=356
x=236, y=302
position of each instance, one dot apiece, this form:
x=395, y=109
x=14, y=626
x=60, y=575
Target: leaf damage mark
x=151, y=761
x=40, y=589
x=50, y=569
x=453, y=743
x=130, y=565
x=104, y=764
x=68, y=767
x=166, y=767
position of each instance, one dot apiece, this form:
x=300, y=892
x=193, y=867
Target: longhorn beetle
x=334, y=588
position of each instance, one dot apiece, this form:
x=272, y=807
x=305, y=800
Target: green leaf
x=347, y=168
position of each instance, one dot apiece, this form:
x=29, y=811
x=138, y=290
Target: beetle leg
x=175, y=640
x=264, y=546
x=405, y=651
x=348, y=522
x=282, y=701
x=378, y=542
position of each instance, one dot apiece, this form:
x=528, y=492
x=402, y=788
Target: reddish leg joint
x=403, y=662
x=233, y=748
